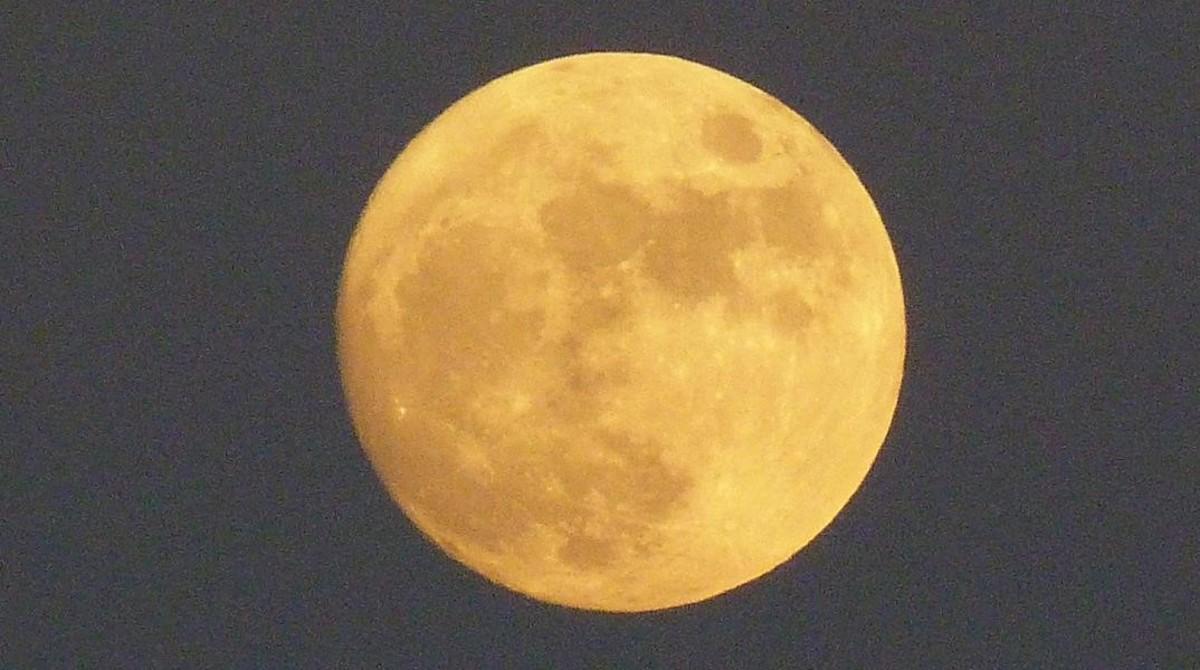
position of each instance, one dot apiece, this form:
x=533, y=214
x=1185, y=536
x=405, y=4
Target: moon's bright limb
x=620, y=331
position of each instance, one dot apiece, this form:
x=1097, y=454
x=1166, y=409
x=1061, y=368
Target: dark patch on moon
x=644, y=482
x=639, y=489
x=575, y=400
x=790, y=311
x=583, y=550
x=513, y=146
x=793, y=221
x=458, y=335
x=687, y=250
x=732, y=137
x=596, y=225
x=690, y=254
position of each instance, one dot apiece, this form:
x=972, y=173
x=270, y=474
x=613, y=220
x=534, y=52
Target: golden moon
x=620, y=331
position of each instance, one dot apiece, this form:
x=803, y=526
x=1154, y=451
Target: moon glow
x=620, y=331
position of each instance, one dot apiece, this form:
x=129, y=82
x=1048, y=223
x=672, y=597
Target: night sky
x=184, y=485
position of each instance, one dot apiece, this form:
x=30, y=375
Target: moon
x=620, y=332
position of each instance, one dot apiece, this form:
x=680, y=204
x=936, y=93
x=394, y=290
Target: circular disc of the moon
x=620, y=331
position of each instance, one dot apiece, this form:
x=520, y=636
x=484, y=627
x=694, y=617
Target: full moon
x=620, y=332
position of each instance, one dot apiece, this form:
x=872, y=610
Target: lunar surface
x=620, y=331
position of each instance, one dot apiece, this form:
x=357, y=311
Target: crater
x=732, y=137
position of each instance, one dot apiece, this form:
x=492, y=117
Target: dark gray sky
x=188, y=488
